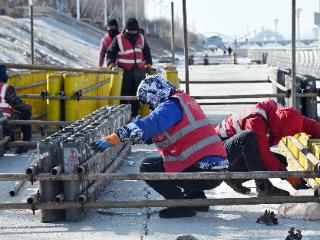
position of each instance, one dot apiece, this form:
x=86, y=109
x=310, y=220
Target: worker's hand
x=106, y=142
x=148, y=66
x=111, y=65
x=297, y=183
x=149, y=70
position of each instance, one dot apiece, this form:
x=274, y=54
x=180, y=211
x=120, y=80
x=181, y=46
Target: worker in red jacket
x=112, y=31
x=249, y=135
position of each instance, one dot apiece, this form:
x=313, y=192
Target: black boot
x=237, y=186
x=198, y=195
x=177, y=212
x=265, y=189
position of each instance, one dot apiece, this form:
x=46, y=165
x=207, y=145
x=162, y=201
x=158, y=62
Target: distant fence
x=308, y=59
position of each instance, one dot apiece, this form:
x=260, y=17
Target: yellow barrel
x=171, y=74
x=72, y=83
x=105, y=89
x=39, y=106
x=116, y=85
x=87, y=106
x=54, y=86
x=144, y=108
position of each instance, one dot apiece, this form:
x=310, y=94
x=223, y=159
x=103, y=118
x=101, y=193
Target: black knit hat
x=132, y=24
x=113, y=23
x=3, y=73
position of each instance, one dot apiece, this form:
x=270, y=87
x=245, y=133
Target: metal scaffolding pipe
x=99, y=183
x=5, y=140
x=128, y=98
x=293, y=55
x=57, y=169
x=163, y=176
x=59, y=198
x=163, y=203
x=57, y=68
x=17, y=187
x=91, y=88
x=38, y=122
x=278, y=85
x=38, y=96
x=185, y=45
x=22, y=144
x=39, y=115
x=31, y=85
x=226, y=81
x=242, y=96
x=226, y=103
x=3, y=119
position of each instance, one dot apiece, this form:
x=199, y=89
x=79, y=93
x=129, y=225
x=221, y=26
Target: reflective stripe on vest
x=201, y=144
x=122, y=52
x=129, y=61
x=193, y=125
x=182, y=132
x=5, y=107
x=238, y=116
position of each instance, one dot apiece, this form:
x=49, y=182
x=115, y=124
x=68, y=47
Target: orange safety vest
x=190, y=140
x=128, y=54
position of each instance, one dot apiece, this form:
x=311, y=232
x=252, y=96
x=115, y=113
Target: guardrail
x=308, y=59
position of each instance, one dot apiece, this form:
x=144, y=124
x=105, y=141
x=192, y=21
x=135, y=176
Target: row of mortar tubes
x=70, y=148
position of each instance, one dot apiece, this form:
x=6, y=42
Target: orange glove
x=112, y=138
x=105, y=142
x=297, y=183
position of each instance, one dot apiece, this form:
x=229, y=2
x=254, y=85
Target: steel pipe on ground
x=163, y=203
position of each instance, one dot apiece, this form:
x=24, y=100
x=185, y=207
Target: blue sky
x=237, y=17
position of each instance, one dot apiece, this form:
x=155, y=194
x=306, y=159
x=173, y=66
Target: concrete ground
x=221, y=222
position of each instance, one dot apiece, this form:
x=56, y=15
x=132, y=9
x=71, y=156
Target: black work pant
x=244, y=154
x=131, y=81
x=25, y=129
x=175, y=189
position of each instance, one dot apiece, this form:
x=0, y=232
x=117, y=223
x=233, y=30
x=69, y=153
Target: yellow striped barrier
x=54, y=106
x=116, y=85
x=305, y=150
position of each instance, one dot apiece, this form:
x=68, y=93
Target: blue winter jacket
x=166, y=115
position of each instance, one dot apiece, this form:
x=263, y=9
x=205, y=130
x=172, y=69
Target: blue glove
x=106, y=142
x=101, y=145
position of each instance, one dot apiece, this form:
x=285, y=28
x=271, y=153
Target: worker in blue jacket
x=184, y=137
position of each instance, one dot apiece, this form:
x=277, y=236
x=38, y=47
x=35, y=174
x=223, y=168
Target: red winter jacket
x=192, y=139
x=105, y=44
x=280, y=122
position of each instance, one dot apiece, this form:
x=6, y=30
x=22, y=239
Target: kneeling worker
x=184, y=137
x=14, y=108
x=248, y=136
